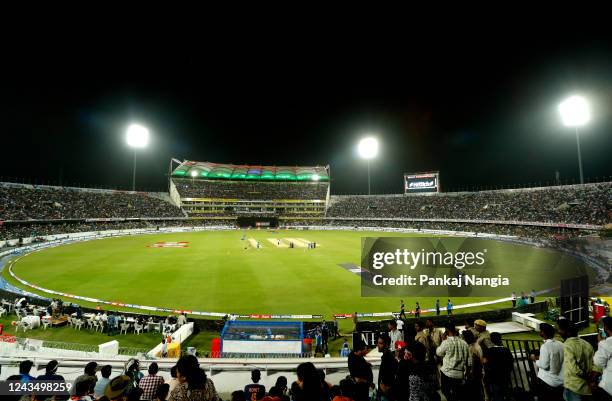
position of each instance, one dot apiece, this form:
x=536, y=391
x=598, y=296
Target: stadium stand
x=579, y=204
x=226, y=189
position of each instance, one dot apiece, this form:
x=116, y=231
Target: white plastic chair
x=2, y=311
x=46, y=323
x=137, y=328
x=71, y=321
x=78, y=324
x=124, y=328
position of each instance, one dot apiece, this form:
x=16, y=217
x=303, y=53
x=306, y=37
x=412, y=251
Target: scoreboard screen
x=422, y=182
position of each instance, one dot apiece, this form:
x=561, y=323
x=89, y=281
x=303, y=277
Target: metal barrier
x=523, y=371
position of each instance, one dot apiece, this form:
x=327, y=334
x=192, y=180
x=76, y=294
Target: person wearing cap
x=550, y=365
x=116, y=389
x=50, y=372
x=484, y=337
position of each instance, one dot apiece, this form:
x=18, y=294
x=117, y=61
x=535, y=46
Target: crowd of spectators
x=37, y=230
x=417, y=363
x=26, y=202
x=586, y=204
x=251, y=190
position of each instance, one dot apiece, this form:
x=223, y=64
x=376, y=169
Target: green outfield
x=217, y=271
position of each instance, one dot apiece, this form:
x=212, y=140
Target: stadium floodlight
x=194, y=173
x=315, y=177
x=575, y=112
x=368, y=149
x=137, y=136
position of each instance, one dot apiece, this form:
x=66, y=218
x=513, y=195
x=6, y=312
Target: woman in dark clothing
x=308, y=386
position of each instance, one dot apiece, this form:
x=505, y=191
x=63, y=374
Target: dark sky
x=482, y=112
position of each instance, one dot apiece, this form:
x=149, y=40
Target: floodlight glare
x=368, y=148
x=315, y=177
x=574, y=111
x=137, y=136
x=194, y=173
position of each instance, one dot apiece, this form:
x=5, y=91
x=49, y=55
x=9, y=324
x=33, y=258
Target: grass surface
x=217, y=274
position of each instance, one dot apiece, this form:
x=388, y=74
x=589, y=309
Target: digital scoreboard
x=422, y=182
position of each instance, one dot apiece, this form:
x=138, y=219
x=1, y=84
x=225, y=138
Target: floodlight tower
x=368, y=149
x=193, y=174
x=136, y=137
x=575, y=112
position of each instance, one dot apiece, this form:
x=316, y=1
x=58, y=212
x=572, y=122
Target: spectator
x=360, y=371
x=281, y=384
x=117, y=388
x=24, y=371
x=89, y=376
x=456, y=361
x=394, y=334
x=498, y=363
x=51, y=372
x=238, y=395
x=103, y=381
x=254, y=391
x=162, y=392
x=550, y=366
x=577, y=362
x=308, y=386
x=449, y=307
x=422, y=336
x=347, y=389
x=193, y=383
x=82, y=391
x=473, y=378
x=150, y=383
x=174, y=381
x=484, y=337
x=603, y=360
x=388, y=363
x=513, y=297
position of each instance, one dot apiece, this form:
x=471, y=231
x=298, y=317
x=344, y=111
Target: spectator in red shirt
x=149, y=384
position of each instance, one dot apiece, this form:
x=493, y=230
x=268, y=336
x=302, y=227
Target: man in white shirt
x=400, y=325
x=550, y=365
x=456, y=360
x=603, y=359
x=394, y=334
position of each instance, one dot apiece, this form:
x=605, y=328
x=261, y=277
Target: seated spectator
x=194, y=385
x=308, y=386
x=88, y=376
x=24, y=371
x=150, y=383
x=162, y=392
x=238, y=395
x=51, y=372
x=254, y=391
x=103, y=381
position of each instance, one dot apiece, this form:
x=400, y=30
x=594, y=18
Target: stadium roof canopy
x=207, y=170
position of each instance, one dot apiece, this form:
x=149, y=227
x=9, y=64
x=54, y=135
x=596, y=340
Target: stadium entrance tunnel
x=257, y=222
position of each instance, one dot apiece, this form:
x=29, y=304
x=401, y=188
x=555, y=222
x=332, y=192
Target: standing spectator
x=254, y=391
x=577, y=362
x=193, y=383
x=456, y=361
x=104, y=380
x=318, y=340
x=603, y=360
x=437, y=307
x=181, y=320
x=498, y=364
x=483, y=337
x=449, y=307
x=388, y=363
x=473, y=378
x=394, y=333
x=422, y=336
x=532, y=296
x=24, y=371
x=150, y=383
x=550, y=365
x=513, y=297
x=360, y=371
x=417, y=310
x=435, y=335
x=345, y=351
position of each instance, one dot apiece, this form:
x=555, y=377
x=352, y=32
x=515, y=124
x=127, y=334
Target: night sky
x=483, y=113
